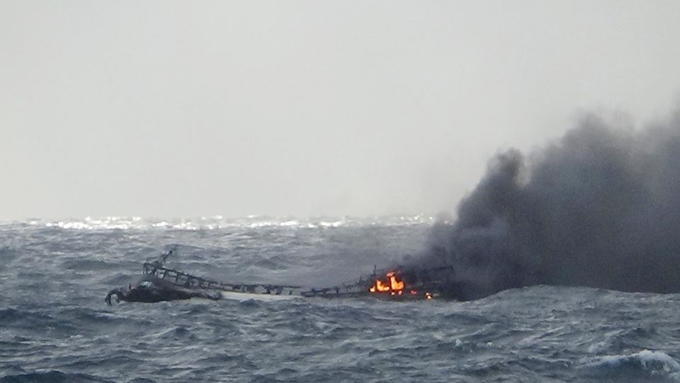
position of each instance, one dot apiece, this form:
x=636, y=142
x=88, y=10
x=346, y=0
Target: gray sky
x=203, y=108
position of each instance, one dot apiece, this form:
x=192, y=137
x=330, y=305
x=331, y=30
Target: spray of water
x=598, y=208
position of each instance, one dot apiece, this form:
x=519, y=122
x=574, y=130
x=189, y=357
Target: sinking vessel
x=160, y=283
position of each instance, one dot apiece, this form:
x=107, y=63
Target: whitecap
x=646, y=361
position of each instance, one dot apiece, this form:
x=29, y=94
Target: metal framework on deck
x=182, y=279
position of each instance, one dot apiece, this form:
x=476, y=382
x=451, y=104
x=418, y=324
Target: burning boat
x=160, y=283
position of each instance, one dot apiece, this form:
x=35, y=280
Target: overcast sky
x=204, y=108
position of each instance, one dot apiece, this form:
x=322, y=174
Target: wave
x=645, y=363
x=219, y=222
x=53, y=376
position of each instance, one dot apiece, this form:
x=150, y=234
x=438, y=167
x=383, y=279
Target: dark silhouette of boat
x=160, y=283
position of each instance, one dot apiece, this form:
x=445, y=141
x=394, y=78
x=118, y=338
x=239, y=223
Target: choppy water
x=55, y=326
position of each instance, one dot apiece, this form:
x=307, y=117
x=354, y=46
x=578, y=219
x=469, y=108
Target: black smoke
x=599, y=208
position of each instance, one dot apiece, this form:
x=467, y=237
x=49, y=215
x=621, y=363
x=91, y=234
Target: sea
x=56, y=327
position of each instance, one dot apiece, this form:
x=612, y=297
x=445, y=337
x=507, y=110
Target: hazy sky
x=203, y=108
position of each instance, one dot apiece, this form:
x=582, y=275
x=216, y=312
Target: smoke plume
x=599, y=208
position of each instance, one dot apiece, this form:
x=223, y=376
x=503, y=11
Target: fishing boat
x=160, y=283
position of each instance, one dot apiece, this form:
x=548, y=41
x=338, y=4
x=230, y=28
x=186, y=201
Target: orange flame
x=379, y=287
x=395, y=286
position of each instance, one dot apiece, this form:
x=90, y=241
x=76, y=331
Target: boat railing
x=186, y=280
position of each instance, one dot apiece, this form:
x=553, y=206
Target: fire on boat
x=392, y=286
x=397, y=283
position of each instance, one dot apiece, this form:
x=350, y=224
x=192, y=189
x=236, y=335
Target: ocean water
x=55, y=326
